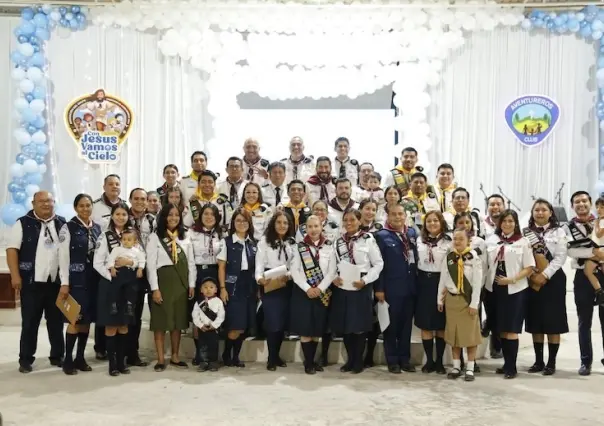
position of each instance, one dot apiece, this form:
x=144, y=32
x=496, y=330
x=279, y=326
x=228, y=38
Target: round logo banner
x=99, y=123
x=532, y=118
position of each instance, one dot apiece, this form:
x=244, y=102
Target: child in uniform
x=208, y=316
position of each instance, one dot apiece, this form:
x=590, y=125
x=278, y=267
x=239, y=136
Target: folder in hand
x=70, y=308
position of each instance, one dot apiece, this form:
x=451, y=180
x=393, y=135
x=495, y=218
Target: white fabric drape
x=469, y=129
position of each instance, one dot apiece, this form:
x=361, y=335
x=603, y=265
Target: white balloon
x=42, y=168
x=26, y=49
x=35, y=74
x=26, y=85
x=30, y=166
x=18, y=74
x=55, y=15
x=38, y=137
x=30, y=189
x=22, y=136
x=20, y=104
x=37, y=106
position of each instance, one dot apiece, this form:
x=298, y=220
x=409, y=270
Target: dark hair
x=338, y=140
x=323, y=158
x=165, y=199
x=208, y=280
x=505, y=214
x=277, y=164
x=409, y=149
x=129, y=231
x=445, y=166
x=553, y=219
x=114, y=208
x=153, y=193
x=240, y=211
x=198, y=225
x=496, y=196
x=376, y=175
x=260, y=200
x=366, y=201
x=600, y=201
x=461, y=215
x=342, y=180
x=353, y=211
x=170, y=166
x=233, y=159
x=296, y=181
x=367, y=162
x=209, y=173
x=162, y=222
x=387, y=209
x=199, y=153
x=577, y=193
x=112, y=175
x=441, y=219
x=270, y=234
x=460, y=189
x=79, y=197
x=465, y=232
x=134, y=190
x=396, y=188
x=418, y=175
x=319, y=202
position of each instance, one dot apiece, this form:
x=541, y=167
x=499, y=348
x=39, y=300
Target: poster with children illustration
x=99, y=123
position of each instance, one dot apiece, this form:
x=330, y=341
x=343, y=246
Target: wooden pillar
x=8, y=297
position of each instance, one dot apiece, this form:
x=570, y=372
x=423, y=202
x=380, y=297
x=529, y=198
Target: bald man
x=255, y=168
x=32, y=255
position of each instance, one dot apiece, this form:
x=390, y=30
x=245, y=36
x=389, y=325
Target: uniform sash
x=312, y=270
x=112, y=240
x=464, y=287
x=205, y=308
x=540, y=252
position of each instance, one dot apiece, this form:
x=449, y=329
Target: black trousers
x=134, y=330
x=584, y=300
x=208, y=346
x=36, y=299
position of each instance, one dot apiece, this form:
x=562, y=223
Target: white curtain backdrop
x=469, y=128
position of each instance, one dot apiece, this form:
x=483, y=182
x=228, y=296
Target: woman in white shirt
x=236, y=267
x=458, y=295
x=330, y=228
x=546, y=311
x=510, y=261
x=368, y=209
x=253, y=203
x=275, y=249
x=432, y=248
x=352, y=310
x=205, y=236
x=313, y=268
x=392, y=196
x=172, y=274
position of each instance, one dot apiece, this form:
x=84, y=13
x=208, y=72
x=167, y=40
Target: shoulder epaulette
x=308, y=159
x=365, y=236
x=447, y=237
x=332, y=224
x=290, y=240
x=328, y=242
x=264, y=163
x=378, y=226
x=187, y=177
x=264, y=207
x=283, y=160
x=98, y=200
x=419, y=168
x=354, y=162
x=222, y=198
x=265, y=185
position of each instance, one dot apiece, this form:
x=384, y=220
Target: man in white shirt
x=320, y=185
x=188, y=184
x=461, y=203
x=298, y=166
x=101, y=207
x=341, y=202
x=344, y=166
x=445, y=186
x=495, y=206
x=234, y=183
x=32, y=255
x=358, y=191
x=274, y=192
x=255, y=168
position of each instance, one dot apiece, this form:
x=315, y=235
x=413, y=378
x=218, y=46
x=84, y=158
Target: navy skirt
x=84, y=289
x=510, y=309
x=104, y=316
x=241, y=306
x=308, y=317
x=351, y=311
x=546, y=308
x=275, y=305
x=427, y=316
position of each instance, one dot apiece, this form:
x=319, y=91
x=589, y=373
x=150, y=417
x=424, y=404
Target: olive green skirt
x=172, y=313
x=462, y=330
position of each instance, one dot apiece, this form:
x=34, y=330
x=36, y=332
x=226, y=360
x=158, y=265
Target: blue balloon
x=564, y=17
x=75, y=9
x=64, y=22
x=27, y=28
x=28, y=116
x=19, y=197
x=558, y=21
x=550, y=25
x=539, y=23
x=573, y=25
x=27, y=13
x=36, y=60
x=33, y=178
x=31, y=129
x=73, y=24
x=62, y=10
x=20, y=181
x=39, y=92
x=42, y=149
x=18, y=32
x=30, y=150
x=29, y=97
x=40, y=159
x=82, y=26
x=52, y=24
x=600, y=114
x=36, y=49
x=34, y=41
x=23, y=39
x=17, y=56
x=13, y=187
x=583, y=24
x=41, y=20
x=40, y=122
x=585, y=31
x=80, y=17
x=11, y=212
x=601, y=62
x=20, y=158
x=43, y=34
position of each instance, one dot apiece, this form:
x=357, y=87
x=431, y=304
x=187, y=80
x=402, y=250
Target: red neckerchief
x=334, y=203
x=402, y=235
x=316, y=180
x=431, y=243
x=210, y=237
x=490, y=222
x=591, y=218
x=504, y=242
x=308, y=241
x=295, y=163
x=350, y=243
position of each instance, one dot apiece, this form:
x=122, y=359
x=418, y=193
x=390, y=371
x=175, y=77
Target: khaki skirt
x=462, y=330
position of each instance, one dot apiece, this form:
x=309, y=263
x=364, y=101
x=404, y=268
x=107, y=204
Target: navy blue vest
x=398, y=277
x=81, y=255
x=29, y=244
x=236, y=281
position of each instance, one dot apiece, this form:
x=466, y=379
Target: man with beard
x=401, y=174
x=344, y=166
x=495, y=205
x=188, y=184
x=255, y=168
x=420, y=200
x=320, y=186
x=445, y=187
x=365, y=170
x=298, y=166
x=580, y=248
x=101, y=106
x=341, y=202
x=461, y=203
x=274, y=192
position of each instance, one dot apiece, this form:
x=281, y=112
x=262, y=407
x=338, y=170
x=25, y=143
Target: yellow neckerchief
x=251, y=208
x=174, y=247
x=296, y=211
x=460, y=265
x=201, y=197
x=419, y=200
x=442, y=201
x=193, y=175
x=405, y=171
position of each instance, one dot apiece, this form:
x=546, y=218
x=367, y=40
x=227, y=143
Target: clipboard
x=70, y=308
x=274, y=284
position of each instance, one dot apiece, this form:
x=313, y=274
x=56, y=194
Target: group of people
x=304, y=247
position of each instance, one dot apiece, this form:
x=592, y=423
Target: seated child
x=124, y=281
x=208, y=316
x=592, y=265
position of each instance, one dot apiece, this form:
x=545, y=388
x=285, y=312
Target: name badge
x=231, y=279
x=49, y=244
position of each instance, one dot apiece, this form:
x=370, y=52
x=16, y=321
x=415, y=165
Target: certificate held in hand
x=70, y=308
x=349, y=274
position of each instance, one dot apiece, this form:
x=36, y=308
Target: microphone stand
x=508, y=200
x=486, y=199
x=559, y=195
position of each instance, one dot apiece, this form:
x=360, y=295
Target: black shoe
x=346, y=368
x=123, y=369
x=159, y=367
x=484, y=330
x=318, y=368
x=25, y=368
x=82, y=365
x=271, y=366
x=69, y=368
x=469, y=376
x=496, y=355
x=280, y=363
x=549, y=371
x=213, y=366
x=440, y=368
x=536, y=368
x=356, y=370
x=310, y=370
x=136, y=362
x=408, y=368
x=394, y=369
x=195, y=362
x=599, y=299
x=56, y=362
x=114, y=373
x=510, y=375
x=179, y=364
x=101, y=356
x=584, y=370
x=368, y=363
x=602, y=361
x=454, y=374
x=226, y=361
x=238, y=363
x=476, y=367
x=429, y=367
x=500, y=370
x=203, y=367
x=323, y=361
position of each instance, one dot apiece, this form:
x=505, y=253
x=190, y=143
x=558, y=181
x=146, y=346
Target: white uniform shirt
x=157, y=257
x=327, y=263
x=517, y=256
x=577, y=253
x=225, y=209
x=360, y=194
x=205, y=249
x=448, y=197
x=269, y=258
x=556, y=242
x=336, y=215
x=200, y=319
x=269, y=195
x=225, y=186
x=489, y=227
x=260, y=219
x=472, y=271
x=348, y=169
x=478, y=225
x=64, y=251
x=438, y=253
x=313, y=192
x=101, y=212
x=188, y=187
x=301, y=171
x=47, y=249
x=136, y=254
x=222, y=255
x=367, y=257
x=594, y=237
x=255, y=176
x=144, y=226
x=331, y=231
x=478, y=244
x=101, y=256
